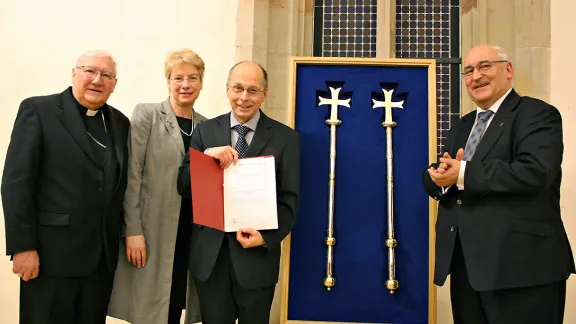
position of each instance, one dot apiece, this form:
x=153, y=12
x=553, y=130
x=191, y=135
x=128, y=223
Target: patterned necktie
x=241, y=144
x=476, y=134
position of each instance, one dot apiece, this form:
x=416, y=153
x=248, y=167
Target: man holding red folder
x=236, y=273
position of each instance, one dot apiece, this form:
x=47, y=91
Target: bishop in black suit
x=62, y=192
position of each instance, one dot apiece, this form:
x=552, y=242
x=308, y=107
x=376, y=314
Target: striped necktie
x=476, y=134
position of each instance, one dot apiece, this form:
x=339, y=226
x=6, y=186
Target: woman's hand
x=136, y=250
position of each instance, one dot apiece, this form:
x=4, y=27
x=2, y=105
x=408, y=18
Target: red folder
x=207, y=183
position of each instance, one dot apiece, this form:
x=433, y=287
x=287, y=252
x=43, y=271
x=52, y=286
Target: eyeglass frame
x=180, y=79
x=103, y=73
x=468, y=74
x=239, y=90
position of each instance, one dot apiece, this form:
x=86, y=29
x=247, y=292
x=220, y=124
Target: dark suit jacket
x=58, y=199
x=254, y=267
x=508, y=215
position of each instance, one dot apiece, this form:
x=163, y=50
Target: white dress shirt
x=252, y=123
x=494, y=108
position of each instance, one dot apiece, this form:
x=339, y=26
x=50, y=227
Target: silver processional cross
x=389, y=123
x=330, y=240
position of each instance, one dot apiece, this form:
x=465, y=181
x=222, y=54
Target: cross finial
x=388, y=104
x=334, y=102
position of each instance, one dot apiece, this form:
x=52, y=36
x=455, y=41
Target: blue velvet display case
x=360, y=254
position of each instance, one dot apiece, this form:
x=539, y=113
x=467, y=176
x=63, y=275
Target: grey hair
x=264, y=73
x=501, y=52
x=96, y=53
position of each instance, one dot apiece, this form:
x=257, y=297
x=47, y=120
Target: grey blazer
x=152, y=208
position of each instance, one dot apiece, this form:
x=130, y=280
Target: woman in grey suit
x=150, y=284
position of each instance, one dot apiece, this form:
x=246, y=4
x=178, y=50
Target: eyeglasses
x=191, y=79
x=238, y=89
x=91, y=72
x=482, y=67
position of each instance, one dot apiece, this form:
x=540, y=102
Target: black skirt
x=181, y=253
x=182, y=248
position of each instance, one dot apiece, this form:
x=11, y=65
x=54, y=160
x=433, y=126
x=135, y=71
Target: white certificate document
x=250, y=194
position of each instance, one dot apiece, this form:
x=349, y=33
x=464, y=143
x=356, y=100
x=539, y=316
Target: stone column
x=522, y=28
x=562, y=97
x=270, y=32
x=532, y=48
x=386, y=29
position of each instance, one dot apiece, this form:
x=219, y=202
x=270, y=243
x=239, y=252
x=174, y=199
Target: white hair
x=97, y=53
x=501, y=52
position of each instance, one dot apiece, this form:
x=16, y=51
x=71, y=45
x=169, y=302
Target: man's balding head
x=487, y=74
x=251, y=63
x=247, y=88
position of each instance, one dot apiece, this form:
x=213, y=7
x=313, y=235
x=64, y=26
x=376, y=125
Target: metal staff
x=388, y=123
x=330, y=240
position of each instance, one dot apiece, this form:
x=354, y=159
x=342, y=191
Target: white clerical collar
x=496, y=105
x=91, y=113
